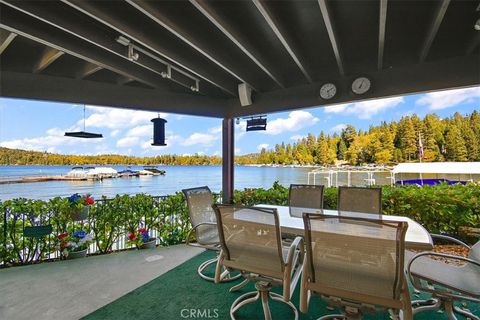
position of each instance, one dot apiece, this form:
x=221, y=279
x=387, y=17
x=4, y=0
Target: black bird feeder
x=159, y=132
x=83, y=134
x=257, y=123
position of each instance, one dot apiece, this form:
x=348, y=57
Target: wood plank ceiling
x=190, y=56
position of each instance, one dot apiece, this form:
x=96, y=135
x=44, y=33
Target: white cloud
x=115, y=118
x=262, y=146
x=297, y=137
x=237, y=151
x=448, y=98
x=128, y=142
x=215, y=130
x=54, y=138
x=365, y=109
x=114, y=133
x=198, y=138
x=296, y=120
x=140, y=131
x=338, y=127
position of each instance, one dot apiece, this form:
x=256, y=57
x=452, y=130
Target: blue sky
x=40, y=125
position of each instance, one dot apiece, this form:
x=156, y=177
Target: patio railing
x=109, y=221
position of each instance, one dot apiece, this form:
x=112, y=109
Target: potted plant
x=141, y=239
x=74, y=245
x=79, y=206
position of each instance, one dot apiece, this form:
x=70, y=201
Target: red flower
x=131, y=236
x=62, y=235
x=89, y=200
x=142, y=230
x=63, y=245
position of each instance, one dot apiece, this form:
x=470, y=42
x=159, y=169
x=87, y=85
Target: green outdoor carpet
x=172, y=296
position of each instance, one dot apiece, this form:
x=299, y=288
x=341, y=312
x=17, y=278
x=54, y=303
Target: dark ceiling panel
x=456, y=30
x=124, y=17
x=21, y=55
x=303, y=24
x=259, y=39
x=357, y=24
x=408, y=23
x=184, y=19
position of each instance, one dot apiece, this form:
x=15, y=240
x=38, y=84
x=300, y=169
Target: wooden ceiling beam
x=49, y=55
x=432, y=32
x=5, y=39
x=167, y=23
x=382, y=22
x=327, y=19
x=276, y=30
x=207, y=11
x=141, y=39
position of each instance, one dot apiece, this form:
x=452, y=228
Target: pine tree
x=455, y=145
x=342, y=149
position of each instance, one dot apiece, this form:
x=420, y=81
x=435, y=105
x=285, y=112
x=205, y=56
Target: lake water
x=176, y=178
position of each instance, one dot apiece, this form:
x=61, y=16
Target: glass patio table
x=291, y=222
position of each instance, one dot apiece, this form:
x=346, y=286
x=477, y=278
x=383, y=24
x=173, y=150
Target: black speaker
x=159, y=132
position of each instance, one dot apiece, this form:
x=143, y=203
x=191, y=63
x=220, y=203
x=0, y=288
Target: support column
x=228, y=151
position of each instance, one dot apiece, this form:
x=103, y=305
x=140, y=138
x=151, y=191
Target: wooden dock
x=42, y=179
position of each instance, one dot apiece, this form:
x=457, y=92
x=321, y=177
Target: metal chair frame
x=209, y=246
x=292, y=269
x=442, y=299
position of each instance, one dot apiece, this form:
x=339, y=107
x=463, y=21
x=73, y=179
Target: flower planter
x=77, y=254
x=150, y=244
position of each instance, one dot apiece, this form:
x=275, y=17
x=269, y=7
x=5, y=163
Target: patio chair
x=359, y=199
x=355, y=264
x=204, y=225
x=305, y=196
x=447, y=282
x=251, y=244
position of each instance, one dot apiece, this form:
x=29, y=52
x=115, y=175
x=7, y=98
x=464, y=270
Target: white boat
x=92, y=172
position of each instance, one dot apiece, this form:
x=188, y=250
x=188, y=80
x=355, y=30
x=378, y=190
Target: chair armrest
x=296, y=244
x=443, y=255
x=451, y=239
x=291, y=274
x=194, y=228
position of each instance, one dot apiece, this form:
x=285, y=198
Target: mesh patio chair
x=305, y=196
x=355, y=264
x=204, y=225
x=251, y=244
x=358, y=199
x=447, y=282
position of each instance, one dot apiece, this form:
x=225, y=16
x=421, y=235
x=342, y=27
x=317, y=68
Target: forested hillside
x=451, y=139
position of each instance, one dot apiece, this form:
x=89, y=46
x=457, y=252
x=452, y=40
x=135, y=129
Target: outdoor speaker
x=245, y=94
x=159, y=132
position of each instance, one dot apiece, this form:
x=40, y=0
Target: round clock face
x=361, y=85
x=328, y=91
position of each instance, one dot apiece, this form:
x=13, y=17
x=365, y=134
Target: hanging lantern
x=159, y=132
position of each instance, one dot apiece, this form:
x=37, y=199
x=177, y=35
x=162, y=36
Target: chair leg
x=465, y=313
x=240, y=285
x=209, y=262
x=433, y=304
x=262, y=293
x=449, y=309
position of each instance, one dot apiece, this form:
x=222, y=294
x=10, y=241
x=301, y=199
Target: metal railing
x=21, y=248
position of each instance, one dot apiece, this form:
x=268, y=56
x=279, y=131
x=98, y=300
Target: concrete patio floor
x=72, y=289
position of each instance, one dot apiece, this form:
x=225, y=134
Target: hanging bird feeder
x=159, y=131
x=83, y=134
